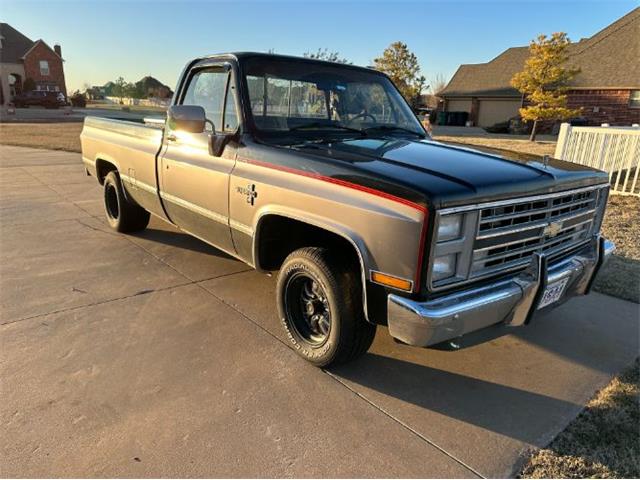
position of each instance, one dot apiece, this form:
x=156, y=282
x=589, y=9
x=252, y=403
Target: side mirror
x=187, y=118
x=218, y=141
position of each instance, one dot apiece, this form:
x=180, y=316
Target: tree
x=130, y=90
x=544, y=81
x=326, y=55
x=119, y=88
x=438, y=82
x=401, y=65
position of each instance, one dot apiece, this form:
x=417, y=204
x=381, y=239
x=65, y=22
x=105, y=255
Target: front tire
x=122, y=215
x=320, y=307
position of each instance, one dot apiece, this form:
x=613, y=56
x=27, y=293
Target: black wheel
x=320, y=306
x=122, y=215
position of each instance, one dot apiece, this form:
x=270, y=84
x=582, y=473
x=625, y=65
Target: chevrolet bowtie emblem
x=552, y=229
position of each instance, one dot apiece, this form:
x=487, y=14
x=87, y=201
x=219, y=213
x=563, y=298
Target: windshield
x=288, y=96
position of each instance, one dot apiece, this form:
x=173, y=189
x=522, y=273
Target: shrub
x=502, y=127
x=28, y=85
x=78, y=100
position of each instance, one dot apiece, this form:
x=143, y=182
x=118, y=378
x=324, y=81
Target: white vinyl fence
x=144, y=102
x=616, y=150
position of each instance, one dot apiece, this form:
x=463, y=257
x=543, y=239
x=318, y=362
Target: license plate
x=553, y=292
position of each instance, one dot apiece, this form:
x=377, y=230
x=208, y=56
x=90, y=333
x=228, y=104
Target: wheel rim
x=111, y=201
x=308, y=309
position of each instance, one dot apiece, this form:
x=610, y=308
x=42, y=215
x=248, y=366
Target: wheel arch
x=341, y=232
x=104, y=165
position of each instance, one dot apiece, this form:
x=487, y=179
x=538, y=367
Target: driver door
x=195, y=183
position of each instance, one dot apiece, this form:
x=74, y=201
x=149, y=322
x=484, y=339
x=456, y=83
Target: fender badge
x=249, y=191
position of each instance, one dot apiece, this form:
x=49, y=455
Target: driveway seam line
x=403, y=424
x=110, y=300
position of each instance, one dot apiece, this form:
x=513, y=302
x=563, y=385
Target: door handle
x=171, y=137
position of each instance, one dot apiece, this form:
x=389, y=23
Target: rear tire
x=320, y=306
x=122, y=215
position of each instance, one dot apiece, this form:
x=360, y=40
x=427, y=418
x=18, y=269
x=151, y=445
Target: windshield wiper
x=320, y=125
x=391, y=128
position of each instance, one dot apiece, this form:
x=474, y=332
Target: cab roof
x=240, y=56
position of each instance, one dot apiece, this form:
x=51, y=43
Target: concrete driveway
x=155, y=355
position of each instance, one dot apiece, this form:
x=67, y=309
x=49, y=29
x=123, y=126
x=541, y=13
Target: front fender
x=320, y=222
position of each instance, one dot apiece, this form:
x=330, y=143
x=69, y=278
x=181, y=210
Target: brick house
x=607, y=88
x=21, y=58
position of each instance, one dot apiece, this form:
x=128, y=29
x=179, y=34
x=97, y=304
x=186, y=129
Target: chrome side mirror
x=187, y=118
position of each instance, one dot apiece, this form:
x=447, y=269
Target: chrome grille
x=508, y=234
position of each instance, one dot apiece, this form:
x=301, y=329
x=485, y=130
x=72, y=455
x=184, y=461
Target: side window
x=206, y=89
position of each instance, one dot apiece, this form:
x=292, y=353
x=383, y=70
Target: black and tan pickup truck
x=322, y=172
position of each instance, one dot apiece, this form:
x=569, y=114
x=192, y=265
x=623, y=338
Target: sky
x=102, y=40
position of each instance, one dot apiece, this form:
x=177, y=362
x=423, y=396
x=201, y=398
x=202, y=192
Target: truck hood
x=451, y=175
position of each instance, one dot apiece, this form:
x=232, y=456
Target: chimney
x=58, y=50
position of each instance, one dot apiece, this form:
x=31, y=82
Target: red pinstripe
x=361, y=188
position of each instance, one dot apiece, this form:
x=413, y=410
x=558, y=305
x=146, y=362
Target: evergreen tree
x=401, y=65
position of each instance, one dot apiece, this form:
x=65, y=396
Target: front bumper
x=513, y=301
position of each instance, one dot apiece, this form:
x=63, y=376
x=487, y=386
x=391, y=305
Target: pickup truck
x=322, y=172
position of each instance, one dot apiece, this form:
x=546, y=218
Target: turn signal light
x=390, y=281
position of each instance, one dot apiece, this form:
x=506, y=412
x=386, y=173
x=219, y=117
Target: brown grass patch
x=602, y=442
x=64, y=136
x=52, y=136
x=621, y=276
x=514, y=145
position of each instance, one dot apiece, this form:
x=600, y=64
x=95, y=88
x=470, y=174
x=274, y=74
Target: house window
x=44, y=68
x=634, y=99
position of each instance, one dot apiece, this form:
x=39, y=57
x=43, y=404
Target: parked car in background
x=39, y=98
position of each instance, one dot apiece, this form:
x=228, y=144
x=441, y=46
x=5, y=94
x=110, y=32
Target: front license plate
x=553, y=292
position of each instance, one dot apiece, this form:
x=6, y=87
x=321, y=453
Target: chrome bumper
x=513, y=301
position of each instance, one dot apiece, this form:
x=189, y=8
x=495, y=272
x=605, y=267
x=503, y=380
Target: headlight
x=454, y=237
x=444, y=266
x=449, y=227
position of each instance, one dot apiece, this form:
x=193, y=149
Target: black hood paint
x=449, y=175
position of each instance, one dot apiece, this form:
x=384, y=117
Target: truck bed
x=132, y=147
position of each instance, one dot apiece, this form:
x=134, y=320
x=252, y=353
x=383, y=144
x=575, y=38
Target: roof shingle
x=609, y=59
x=14, y=44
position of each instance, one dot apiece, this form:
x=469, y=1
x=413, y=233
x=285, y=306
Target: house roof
x=38, y=42
x=608, y=59
x=14, y=44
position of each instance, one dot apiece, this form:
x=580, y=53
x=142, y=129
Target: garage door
x=491, y=112
x=459, y=105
